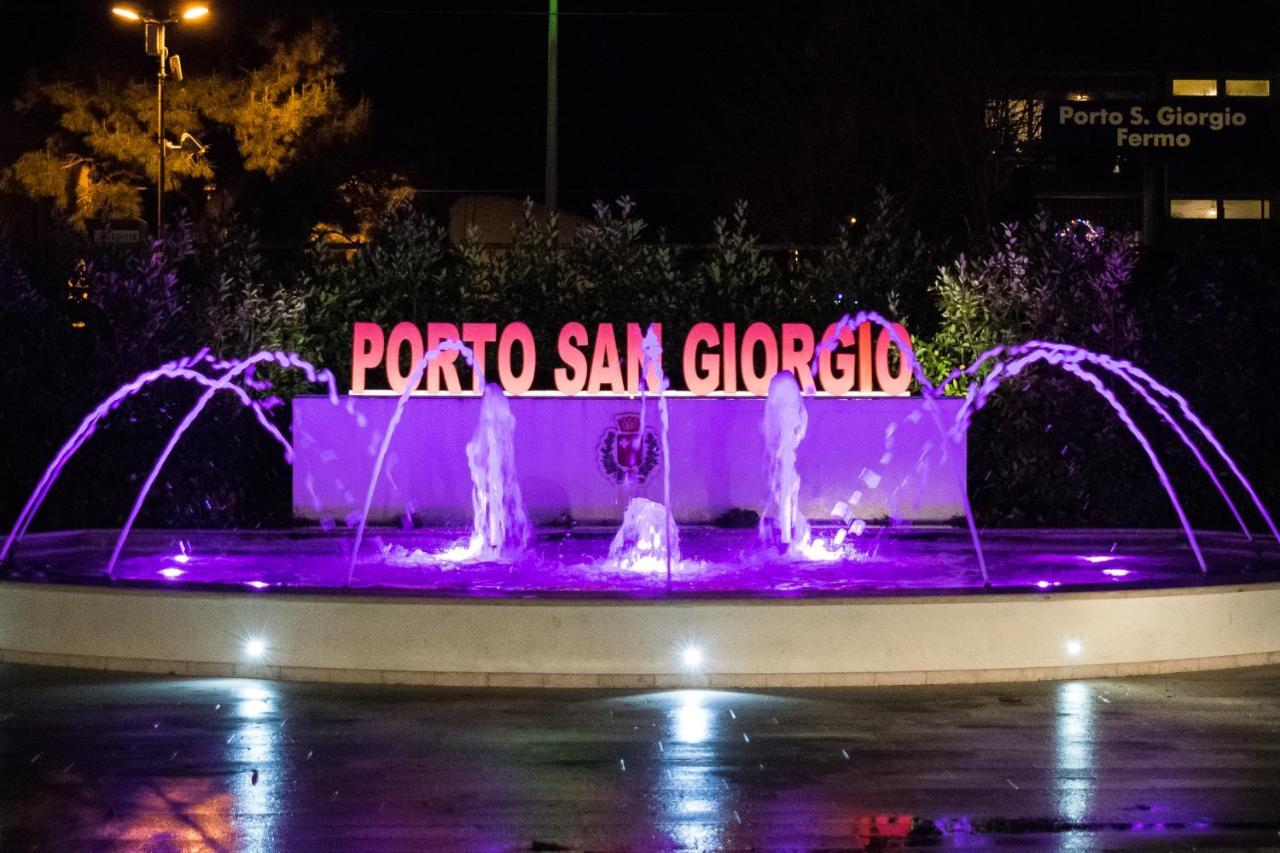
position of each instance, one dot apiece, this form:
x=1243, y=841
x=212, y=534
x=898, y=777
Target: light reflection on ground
x=94, y=761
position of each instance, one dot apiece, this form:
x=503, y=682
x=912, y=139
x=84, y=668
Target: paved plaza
x=117, y=762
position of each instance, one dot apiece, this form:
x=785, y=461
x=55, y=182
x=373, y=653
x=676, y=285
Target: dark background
x=803, y=108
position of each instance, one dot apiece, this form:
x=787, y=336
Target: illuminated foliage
x=289, y=106
x=102, y=152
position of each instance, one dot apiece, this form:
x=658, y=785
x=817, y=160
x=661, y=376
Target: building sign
x=117, y=232
x=1199, y=125
x=724, y=358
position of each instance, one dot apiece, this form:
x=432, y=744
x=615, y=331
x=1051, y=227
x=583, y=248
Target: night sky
x=685, y=106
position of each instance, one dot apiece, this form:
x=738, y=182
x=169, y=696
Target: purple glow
x=1068, y=358
x=234, y=369
x=714, y=562
x=557, y=569
x=180, y=369
x=1139, y=380
x=415, y=377
x=929, y=395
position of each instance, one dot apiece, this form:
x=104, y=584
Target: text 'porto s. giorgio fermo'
x=716, y=359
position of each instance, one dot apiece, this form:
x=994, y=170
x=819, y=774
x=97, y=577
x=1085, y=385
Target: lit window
x=1244, y=208
x=1249, y=88
x=1014, y=122
x=1193, y=208
x=1184, y=88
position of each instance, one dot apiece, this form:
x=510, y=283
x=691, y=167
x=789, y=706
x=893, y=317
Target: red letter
x=864, y=358
x=796, y=358
x=889, y=383
x=399, y=335
x=606, y=367
x=478, y=336
x=443, y=364
x=706, y=381
x=571, y=378
x=516, y=333
x=758, y=333
x=730, y=359
x=366, y=352
x=840, y=382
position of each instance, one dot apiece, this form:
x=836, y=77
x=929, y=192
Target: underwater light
x=1074, y=648
x=691, y=657
x=172, y=573
x=255, y=648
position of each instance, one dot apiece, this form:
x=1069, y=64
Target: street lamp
x=154, y=32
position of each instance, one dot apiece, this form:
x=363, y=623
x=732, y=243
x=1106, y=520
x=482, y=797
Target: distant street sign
x=118, y=232
x=1181, y=126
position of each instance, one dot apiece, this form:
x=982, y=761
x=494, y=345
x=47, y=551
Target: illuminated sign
x=1198, y=124
x=715, y=359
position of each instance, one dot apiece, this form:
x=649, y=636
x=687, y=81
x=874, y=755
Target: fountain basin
x=908, y=610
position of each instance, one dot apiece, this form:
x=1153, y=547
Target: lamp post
x=154, y=33
x=550, y=192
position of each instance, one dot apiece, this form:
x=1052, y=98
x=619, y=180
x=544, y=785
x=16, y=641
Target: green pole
x=553, y=95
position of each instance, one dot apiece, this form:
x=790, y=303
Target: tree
x=102, y=149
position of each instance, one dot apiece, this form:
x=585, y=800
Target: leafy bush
x=1042, y=452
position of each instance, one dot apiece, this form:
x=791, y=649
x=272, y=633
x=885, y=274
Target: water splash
x=1131, y=373
x=232, y=371
x=415, y=378
x=782, y=524
x=1144, y=385
x=647, y=541
x=499, y=527
x=652, y=360
x=929, y=396
x=1068, y=359
x=181, y=369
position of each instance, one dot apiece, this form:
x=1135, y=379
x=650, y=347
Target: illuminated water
x=713, y=562
x=491, y=558
x=782, y=526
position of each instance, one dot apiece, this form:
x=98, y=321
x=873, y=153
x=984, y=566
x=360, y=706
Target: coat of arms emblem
x=626, y=455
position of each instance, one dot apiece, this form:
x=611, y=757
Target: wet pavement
x=92, y=761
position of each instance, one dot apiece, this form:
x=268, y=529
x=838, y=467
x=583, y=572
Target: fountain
x=731, y=585
x=782, y=524
x=499, y=526
x=647, y=541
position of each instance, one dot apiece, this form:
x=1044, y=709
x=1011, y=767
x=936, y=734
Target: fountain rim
x=633, y=643
x=1213, y=581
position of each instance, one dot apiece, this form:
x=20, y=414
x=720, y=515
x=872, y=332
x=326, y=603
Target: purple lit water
x=850, y=559
x=714, y=562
